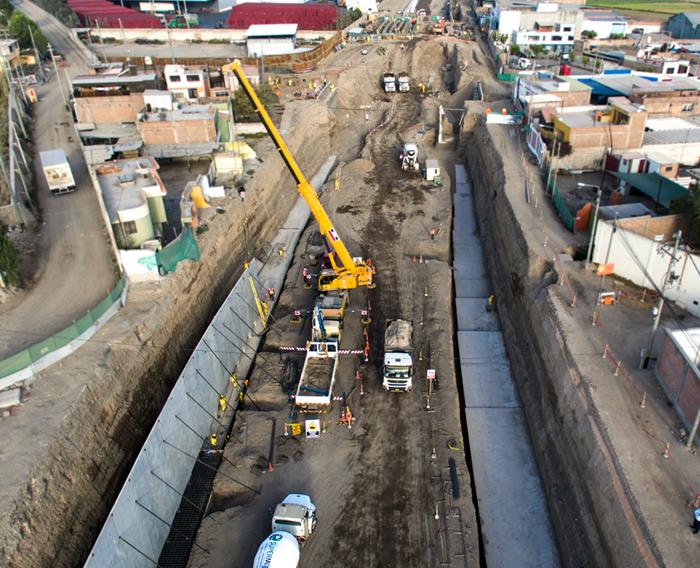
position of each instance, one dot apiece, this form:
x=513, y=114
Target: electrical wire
x=647, y=275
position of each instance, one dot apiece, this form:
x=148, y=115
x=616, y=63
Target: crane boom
x=348, y=274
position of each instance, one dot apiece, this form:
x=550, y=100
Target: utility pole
x=594, y=227
x=36, y=54
x=58, y=77
x=646, y=352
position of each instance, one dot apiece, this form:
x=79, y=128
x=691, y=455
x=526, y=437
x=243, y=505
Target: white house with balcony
x=551, y=25
x=186, y=83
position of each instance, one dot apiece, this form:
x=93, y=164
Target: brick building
x=113, y=109
x=187, y=131
x=618, y=126
x=110, y=97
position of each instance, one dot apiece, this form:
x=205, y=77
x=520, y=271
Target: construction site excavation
x=355, y=337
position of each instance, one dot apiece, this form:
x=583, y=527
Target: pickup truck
x=315, y=390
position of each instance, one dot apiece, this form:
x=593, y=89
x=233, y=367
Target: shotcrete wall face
x=581, y=477
x=58, y=513
x=163, y=467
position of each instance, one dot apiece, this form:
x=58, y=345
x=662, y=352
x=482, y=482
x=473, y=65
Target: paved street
x=75, y=266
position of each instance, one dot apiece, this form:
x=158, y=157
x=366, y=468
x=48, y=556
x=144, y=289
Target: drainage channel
x=502, y=461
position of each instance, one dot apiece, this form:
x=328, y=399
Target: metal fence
x=33, y=354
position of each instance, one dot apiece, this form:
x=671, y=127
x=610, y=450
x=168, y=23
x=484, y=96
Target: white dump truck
x=409, y=157
x=389, y=83
x=315, y=390
x=293, y=521
x=404, y=83
x=398, y=356
x=57, y=172
x=328, y=315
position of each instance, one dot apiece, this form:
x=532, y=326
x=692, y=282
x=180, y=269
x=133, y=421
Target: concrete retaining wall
x=587, y=493
x=176, y=438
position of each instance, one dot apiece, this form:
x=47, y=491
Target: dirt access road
x=394, y=490
x=74, y=269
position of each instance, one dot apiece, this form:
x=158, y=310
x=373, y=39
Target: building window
x=129, y=227
x=533, y=38
x=566, y=29
x=193, y=78
x=688, y=107
x=174, y=78
x=571, y=38
x=682, y=69
x=668, y=169
x=556, y=38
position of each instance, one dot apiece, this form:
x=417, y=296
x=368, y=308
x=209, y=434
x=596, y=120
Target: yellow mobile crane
x=350, y=273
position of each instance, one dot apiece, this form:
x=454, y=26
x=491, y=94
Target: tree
x=537, y=49
x=514, y=49
x=243, y=109
x=9, y=262
x=20, y=26
x=589, y=34
x=5, y=11
x=689, y=207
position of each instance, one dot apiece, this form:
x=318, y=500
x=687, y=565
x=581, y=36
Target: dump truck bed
x=318, y=374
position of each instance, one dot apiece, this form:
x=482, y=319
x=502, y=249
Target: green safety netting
x=183, y=247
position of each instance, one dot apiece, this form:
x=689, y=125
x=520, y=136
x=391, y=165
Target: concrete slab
x=472, y=315
x=489, y=385
x=460, y=174
x=476, y=346
x=462, y=183
x=468, y=262
x=514, y=517
x=471, y=287
x=464, y=207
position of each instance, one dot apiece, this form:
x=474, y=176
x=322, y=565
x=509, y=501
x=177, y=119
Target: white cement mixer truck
x=293, y=521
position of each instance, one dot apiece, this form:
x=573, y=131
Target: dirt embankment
x=587, y=494
x=59, y=509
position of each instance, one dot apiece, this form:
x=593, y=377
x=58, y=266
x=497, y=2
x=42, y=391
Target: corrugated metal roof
x=693, y=17
x=271, y=30
x=670, y=123
x=689, y=136
x=660, y=189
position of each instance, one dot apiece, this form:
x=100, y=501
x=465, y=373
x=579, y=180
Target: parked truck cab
x=295, y=515
x=397, y=371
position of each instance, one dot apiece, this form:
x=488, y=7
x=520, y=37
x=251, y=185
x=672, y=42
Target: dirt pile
x=581, y=474
x=70, y=484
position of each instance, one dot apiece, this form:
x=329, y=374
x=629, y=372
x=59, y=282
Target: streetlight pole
x=599, y=193
x=58, y=77
x=646, y=352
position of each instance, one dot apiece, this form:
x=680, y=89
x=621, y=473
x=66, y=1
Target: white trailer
x=398, y=356
x=57, y=172
x=315, y=390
